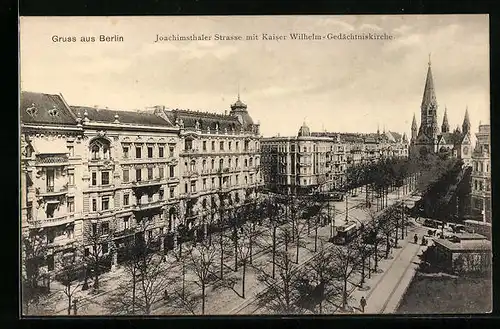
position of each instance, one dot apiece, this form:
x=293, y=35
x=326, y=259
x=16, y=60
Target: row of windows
x=247, y=163
x=105, y=176
x=151, y=151
x=215, y=183
x=104, y=203
x=189, y=145
x=480, y=167
x=479, y=185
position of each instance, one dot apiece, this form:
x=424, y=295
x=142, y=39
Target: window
x=161, y=172
x=71, y=150
x=213, y=182
x=246, y=163
x=221, y=146
x=188, y=144
x=251, y=162
x=186, y=188
x=138, y=152
x=229, y=146
x=138, y=177
x=94, y=204
x=71, y=178
x=193, y=186
x=204, y=164
x=95, y=152
x=126, y=223
x=126, y=199
x=229, y=163
x=237, y=146
x=237, y=179
x=105, y=151
x=204, y=145
x=213, y=164
x=161, y=194
x=104, y=248
x=171, y=149
x=125, y=152
x=221, y=163
x=213, y=145
x=125, y=175
x=150, y=173
x=193, y=165
x=105, y=228
x=71, y=204
x=105, y=178
x=160, y=151
x=150, y=198
x=204, y=183
x=105, y=203
x=150, y=151
x=172, y=192
x=94, y=228
x=94, y=178
x=237, y=162
x=172, y=171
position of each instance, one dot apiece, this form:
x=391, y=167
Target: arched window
x=100, y=149
x=213, y=164
x=221, y=163
x=204, y=164
x=251, y=162
x=193, y=165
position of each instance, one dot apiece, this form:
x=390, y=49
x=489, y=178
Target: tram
x=345, y=233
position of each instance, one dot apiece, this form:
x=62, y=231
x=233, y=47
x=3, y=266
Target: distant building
x=481, y=176
x=429, y=138
x=317, y=161
x=464, y=253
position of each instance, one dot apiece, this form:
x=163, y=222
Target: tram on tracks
x=346, y=233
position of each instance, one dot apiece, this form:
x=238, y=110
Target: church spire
x=428, y=108
x=445, y=127
x=414, y=128
x=466, y=124
x=429, y=97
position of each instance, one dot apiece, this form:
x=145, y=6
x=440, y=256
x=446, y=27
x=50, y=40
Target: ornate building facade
x=317, y=161
x=428, y=138
x=481, y=176
x=87, y=171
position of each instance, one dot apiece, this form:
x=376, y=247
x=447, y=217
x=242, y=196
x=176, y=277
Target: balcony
x=124, y=233
x=190, y=174
x=190, y=151
x=147, y=183
x=148, y=205
x=223, y=171
x=52, y=191
x=54, y=221
x=52, y=160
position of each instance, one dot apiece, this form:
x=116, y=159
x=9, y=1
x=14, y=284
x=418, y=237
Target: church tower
x=428, y=108
x=466, y=124
x=445, y=127
x=414, y=129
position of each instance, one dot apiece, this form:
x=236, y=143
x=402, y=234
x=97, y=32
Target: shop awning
x=57, y=146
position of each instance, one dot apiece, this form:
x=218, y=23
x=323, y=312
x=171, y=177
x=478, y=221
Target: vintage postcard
x=255, y=165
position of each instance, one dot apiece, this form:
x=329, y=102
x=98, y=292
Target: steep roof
x=44, y=109
x=429, y=97
x=205, y=120
x=454, y=138
x=127, y=117
x=414, y=123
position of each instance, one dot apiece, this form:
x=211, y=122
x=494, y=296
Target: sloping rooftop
x=44, y=109
x=127, y=117
x=465, y=245
x=205, y=120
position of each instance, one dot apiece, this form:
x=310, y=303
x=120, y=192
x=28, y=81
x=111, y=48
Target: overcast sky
x=334, y=85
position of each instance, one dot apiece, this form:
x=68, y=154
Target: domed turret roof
x=304, y=130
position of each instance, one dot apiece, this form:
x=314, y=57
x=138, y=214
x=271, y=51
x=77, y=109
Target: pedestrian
x=362, y=302
x=165, y=295
x=423, y=241
x=415, y=238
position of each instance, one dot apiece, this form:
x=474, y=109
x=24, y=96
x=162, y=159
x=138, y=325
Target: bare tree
x=319, y=284
x=247, y=236
x=346, y=264
x=146, y=273
x=280, y=294
x=202, y=263
x=96, y=241
x=34, y=251
x=68, y=274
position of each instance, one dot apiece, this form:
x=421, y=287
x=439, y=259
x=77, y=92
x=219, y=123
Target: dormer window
x=99, y=149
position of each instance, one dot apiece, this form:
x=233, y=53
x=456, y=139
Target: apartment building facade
x=481, y=176
x=88, y=172
x=317, y=161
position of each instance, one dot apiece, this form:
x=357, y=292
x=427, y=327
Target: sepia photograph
x=254, y=165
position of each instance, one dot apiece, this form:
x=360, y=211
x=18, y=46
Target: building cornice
x=50, y=127
x=122, y=126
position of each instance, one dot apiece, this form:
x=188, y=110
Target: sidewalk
x=387, y=288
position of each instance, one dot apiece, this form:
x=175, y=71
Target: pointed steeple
x=445, y=127
x=414, y=128
x=466, y=124
x=429, y=97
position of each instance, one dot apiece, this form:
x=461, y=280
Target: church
x=429, y=139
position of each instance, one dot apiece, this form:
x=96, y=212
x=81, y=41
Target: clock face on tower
x=466, y=150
